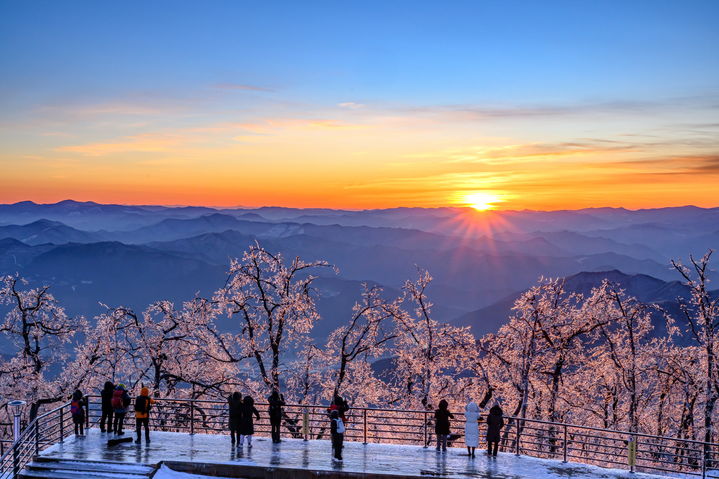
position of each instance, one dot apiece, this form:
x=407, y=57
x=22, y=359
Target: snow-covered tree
x=352, y=348
x=274, y=306
x=429, y=355
x=702, y=315
x=39, y=332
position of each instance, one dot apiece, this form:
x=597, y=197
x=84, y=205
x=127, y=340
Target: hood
x=471, y=407
x=144, y=392
x=496, y=410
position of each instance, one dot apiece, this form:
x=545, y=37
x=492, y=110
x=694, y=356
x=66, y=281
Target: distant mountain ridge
x=136, y=254
x=645, y=288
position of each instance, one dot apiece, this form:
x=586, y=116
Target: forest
x=591, y=359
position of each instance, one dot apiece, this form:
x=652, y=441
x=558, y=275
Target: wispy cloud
x=148, y=143
x=351, y=105
x=241, y=86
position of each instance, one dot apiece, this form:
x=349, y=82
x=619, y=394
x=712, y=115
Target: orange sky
x=603, y=104
x=360, y=160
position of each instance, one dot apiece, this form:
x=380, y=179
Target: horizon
x=361, y=106
x=458, y=207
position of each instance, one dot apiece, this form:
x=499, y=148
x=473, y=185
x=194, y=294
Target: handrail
x=29, y=443
x=536, y=437
x=421, y=411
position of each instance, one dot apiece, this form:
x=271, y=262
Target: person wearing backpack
x=337, y=430
x=77, y=409
x=107, y=411
x=143, y=402
x=120, y=402
x=277, y=402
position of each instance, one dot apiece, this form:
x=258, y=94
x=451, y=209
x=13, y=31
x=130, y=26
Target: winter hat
x=121, y=387
x=144, y=392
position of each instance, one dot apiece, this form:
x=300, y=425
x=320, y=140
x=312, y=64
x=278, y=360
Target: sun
x=481, y=201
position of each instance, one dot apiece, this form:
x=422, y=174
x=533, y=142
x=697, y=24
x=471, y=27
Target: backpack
x=340, y=426
x=141, y=404
x=117, y=400
x=75, y=408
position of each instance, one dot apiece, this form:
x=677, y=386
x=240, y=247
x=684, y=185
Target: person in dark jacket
x=495, y=422
x=340, y=405
x=441, y=424
x=277, y=402
x=77, y=409
x=247, y=425
x=107, y=411
x=234, y=403
x=337, y=431
x=120, y=402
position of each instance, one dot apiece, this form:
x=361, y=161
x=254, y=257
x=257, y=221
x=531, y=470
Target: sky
x=513, y=105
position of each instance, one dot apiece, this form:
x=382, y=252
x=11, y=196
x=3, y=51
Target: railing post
x=516, y=441
x=306, y=424
x=15, y=459
x=705, y=453
x=565, y=443
x=426, y=442
x=192, y=417
x=364, y=419
x=632, y=452
x=37, y=437
x=62, y=423
x=87, y=415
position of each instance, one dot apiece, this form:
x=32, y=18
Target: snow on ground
x=316, y=455
x=166, y=473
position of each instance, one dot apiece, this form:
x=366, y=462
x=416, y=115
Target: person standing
x=337, y=430
x=247, y=425
x=106, y=398
x=340, y=405
x=234, y=404
x=120, y=402
x=77, y=409
x=441, y=424
x=471, y=427
x=495, y=423
x=277, y=402
x=143, y=402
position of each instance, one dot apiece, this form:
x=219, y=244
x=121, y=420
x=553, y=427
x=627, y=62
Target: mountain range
x=480, y=261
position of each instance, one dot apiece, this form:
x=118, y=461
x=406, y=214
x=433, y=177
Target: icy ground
x=316, y=455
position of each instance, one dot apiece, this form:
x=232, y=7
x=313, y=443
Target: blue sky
x=625, y=67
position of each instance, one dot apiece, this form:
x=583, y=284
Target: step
x=87, y=466
x=54, y=474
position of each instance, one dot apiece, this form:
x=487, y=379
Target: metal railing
x=45, y=430
x=543, y=439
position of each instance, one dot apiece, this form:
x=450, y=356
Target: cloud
x=148, y=143
x=474, y=112
x=351, y=105
x=273, y=125
x=240, y=86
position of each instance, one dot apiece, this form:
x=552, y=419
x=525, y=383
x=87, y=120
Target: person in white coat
x=471, y=427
